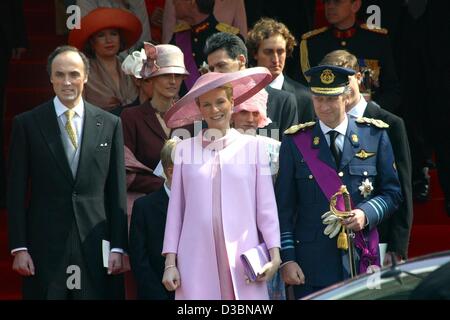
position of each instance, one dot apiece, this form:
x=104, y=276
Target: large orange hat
x=104, y=18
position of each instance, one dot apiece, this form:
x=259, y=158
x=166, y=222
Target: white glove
x=333, y=223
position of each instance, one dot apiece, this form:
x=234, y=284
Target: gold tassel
x=342, y=242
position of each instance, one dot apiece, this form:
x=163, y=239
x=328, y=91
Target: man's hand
x=292, y=274
x=23, y=264
x=171, y=278
x=357, y=222
x=115, y=263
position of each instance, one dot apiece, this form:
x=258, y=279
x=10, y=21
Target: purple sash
x=183, y=41
x=329, y=182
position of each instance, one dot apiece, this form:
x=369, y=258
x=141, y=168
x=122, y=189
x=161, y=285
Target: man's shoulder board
x=301, y=126
x=183, y=26
x=313, y=33
x=376, y=122
x=223, y=27
x=374, y=29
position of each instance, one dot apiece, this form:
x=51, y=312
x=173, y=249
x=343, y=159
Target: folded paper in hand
x=254, y=260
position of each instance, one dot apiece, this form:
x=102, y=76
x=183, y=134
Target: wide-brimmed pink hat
x=162, y=59
x=257, y=103
x=105, y=18
x=185, y=111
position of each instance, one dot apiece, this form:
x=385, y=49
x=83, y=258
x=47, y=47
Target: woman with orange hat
x=222, y=201
x=103, y=34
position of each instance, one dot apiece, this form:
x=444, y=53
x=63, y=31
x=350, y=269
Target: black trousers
x=61, y=285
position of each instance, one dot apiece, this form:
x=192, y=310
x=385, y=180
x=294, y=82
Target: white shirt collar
x=358, y=110
x=278, y=82
x=167, y=189
x=60, y=108
x=341, y=128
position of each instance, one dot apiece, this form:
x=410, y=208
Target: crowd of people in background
x=296, y=89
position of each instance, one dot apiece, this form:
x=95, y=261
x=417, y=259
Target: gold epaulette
x=314, y=32
x=374, y=29
x=223, y=27
x=376, y=122
x=301, y=126
x=182, y=26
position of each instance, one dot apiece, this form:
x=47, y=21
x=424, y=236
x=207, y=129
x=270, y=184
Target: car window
x=390, y=289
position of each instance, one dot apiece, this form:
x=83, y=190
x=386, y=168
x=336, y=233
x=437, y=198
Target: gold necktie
x=71, y=129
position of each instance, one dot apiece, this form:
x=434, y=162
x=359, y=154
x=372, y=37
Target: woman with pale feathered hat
x=160, y=68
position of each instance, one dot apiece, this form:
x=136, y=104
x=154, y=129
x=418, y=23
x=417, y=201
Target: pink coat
x=248, y=208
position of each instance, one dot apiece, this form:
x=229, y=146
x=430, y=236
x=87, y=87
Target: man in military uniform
x=316, y=158
x=394, y=231
x=191, y=35
x=370, y=46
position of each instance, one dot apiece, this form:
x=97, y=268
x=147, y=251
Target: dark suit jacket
x=145, y=137
x=305, y=107
x=148, y=222
x=396, y=230
x=95, y=198
x=282, y=110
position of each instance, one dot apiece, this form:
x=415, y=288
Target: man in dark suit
x=396, y=230
x=268, y=44
x=14, y=41
x=228, y=53
x=69, y=154
x=148, y=222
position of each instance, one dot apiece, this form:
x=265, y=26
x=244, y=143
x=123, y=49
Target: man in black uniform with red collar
x=370, y=45
x=190, y=36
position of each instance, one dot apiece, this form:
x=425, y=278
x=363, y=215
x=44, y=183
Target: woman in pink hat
x=103, y=34
x=222, y=200
x=160, y=68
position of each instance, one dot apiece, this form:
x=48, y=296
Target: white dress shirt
x=341, y=129
x=278, y=82
x=358, y=110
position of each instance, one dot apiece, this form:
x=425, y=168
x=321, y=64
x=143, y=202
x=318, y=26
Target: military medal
x=316, y=141
x=366, y=188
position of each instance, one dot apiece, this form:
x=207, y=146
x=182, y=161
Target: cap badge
x=327, y=76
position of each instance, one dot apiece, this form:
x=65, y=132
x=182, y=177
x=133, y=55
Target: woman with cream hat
x=162, y=68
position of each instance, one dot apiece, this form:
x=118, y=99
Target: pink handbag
x=254, y=260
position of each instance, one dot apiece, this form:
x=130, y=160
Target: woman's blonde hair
x=228, y=88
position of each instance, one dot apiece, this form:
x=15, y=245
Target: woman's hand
x=269, y=270
x=171, y=278
x=271, y=267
